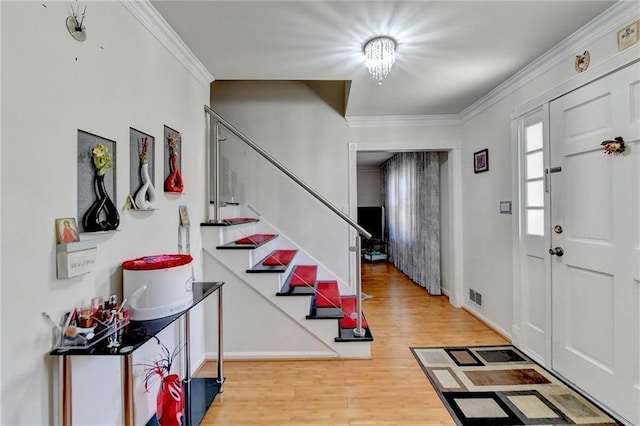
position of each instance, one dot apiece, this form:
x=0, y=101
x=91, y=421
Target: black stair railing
x=213, y=179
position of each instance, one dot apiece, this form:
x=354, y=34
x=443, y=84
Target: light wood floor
x=389, y=389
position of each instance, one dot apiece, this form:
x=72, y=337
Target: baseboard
x=487, y=322
x=270, y=356
x=199, y=363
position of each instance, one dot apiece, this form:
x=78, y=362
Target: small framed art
x=67, y=230
x=481, y=161
x=184, y=216
x=628, y=36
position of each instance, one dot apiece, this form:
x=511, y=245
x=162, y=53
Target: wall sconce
x=75, y=26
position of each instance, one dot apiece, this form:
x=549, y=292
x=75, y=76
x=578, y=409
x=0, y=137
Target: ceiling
x=449, y=54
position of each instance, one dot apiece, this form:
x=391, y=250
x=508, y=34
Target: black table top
x=137, y=333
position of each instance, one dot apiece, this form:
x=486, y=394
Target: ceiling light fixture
x=380, y=53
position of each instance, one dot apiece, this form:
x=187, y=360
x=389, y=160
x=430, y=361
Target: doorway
x=451, y=196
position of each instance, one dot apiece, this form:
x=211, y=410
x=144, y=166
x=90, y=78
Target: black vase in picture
x=102, y=214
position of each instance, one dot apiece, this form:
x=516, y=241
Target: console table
x=198, y=392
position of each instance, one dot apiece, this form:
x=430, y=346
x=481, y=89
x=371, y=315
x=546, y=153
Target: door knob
x=558, y=251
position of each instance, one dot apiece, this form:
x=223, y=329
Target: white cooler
x=157, y=286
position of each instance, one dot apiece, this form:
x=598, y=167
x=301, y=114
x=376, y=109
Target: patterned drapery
x=412, y=199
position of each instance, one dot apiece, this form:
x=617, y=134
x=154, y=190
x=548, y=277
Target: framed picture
x=481, y=161
x=67, y=230
x=89, y=194
x=184, y=216
x=173, y=182
x=628, y=36
x=140, y=145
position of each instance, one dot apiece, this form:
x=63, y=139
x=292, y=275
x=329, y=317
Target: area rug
x=499, y=385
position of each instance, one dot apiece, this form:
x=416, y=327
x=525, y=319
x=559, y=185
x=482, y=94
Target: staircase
x=279, y=301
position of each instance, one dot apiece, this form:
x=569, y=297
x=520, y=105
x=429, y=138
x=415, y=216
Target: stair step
x=276, y=261
x=231, y=221
x=250, y=242
x=328, y=295
x=279, y=257
x=326, y=303
x=346, y=335
x=301, y=281
x=349, y=307
x=347, y=324
x=303, y=275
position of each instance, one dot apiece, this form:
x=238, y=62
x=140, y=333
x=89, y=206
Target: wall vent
x=475, y=297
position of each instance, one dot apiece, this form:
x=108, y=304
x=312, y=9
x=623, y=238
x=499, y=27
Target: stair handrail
x=363, y=232
x=215, y=134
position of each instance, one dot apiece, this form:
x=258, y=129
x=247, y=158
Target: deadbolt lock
x=557, y=229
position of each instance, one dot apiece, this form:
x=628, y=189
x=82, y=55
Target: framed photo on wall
x=67, y=230
x=481, y=161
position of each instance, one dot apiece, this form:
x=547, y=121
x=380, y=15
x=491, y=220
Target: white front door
x=595, y=266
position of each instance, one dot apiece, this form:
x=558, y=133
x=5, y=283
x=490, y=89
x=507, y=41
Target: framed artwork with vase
x=96, y=159
x=141, y=170
x=172, y=143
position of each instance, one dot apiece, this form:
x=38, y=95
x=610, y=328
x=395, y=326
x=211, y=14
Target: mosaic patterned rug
x=499, y=385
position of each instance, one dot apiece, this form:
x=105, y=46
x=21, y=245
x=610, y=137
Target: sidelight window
x=534, y=179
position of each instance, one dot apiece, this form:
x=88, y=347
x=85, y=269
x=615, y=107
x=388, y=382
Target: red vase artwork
x=174, y=181
x=170, y=401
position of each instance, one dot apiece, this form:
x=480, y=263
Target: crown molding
x=151, y=19
x=604, y=24
x=403, y=120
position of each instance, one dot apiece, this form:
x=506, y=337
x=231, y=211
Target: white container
x=157, y=286
x=74, y=259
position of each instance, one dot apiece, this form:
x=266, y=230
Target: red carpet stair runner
x=327, y=303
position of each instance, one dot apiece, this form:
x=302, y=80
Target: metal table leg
x=66, y=399
x=128, y=413
x=220, y=351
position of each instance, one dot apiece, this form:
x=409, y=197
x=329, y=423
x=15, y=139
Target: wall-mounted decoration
x=75, y=258
x=66, y=230
x=481, y=161
x=505, y=207
x=614, y=147
x=582, y=61
x=172, y=164
x=75, y=24
x=141, y=170
x=96, y=180
x=184, y=216
x=628, y=36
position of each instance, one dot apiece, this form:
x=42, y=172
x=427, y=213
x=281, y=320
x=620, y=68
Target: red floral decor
x=174, y=181
x=615, y=146
x=170, y=399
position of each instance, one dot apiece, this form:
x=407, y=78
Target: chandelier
x=380, y=53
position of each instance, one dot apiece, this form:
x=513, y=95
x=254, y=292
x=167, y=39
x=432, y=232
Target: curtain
x=411, y=184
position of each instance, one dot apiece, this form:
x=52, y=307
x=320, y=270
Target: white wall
x=294, y=125
x=370, y=186
x=52, y=86
x=488, y=235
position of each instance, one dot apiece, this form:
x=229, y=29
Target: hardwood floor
x=389, y=389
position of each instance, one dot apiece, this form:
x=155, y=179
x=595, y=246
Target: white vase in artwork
x=145, y=197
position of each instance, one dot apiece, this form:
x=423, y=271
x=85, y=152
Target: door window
x=533, y=179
